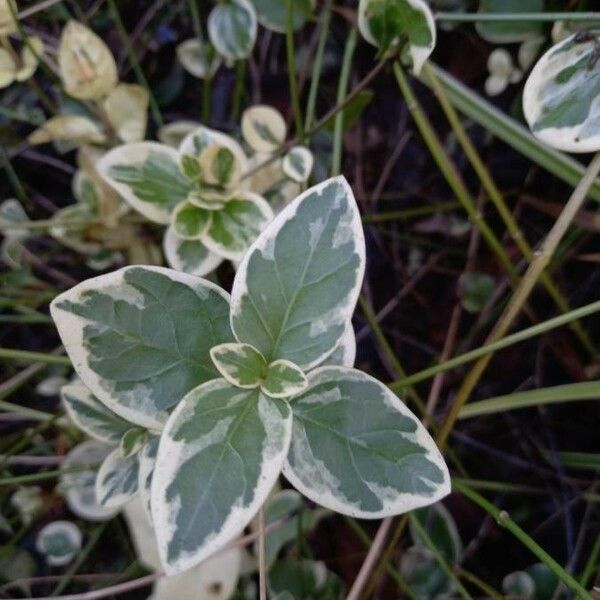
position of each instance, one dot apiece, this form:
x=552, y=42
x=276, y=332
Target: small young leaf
x=219, y=167
x=509, y=32
x=198, y=58
x=172, y=134
x=191, y=167
x=132, y=441
x=148, y=177
x=232, y=229
x=87, y=67
x=297, y=286
x=358, y=450
x=126, y=108
x=263, y=128
x=440, y=526
x=241, y=364
x=140, y=337
x=298, y=163
x=189, y=256
x=386, y=23
x=59, y=541
x=284, y=379
x=560, y=96
x=117, y=479
x=219, y=456
x=91, y=416
x=232, y=29
x=475, y=289
x=147, y=461
x=189, y=221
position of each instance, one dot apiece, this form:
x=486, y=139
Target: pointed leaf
x=148, y=177
x=232, y=229
x=297, y=286
x=386, y=23
x=73, y=128
x=126, y=108
x=560, y=96
x=298, y=164
x=358, y=450
x=189, y=256
x=147, y=459
x=117, y=480
x=263, y=128
x=232, y=29
x=132, y=441
x=219, y=456
x=140, y=337
x=91, y=416
x=87, y=67
x=241, y=364
x=189, y=221
x=284, y=379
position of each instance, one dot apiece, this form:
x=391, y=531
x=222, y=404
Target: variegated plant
x=112, y=111
x=247, y=386
x=204, y=190
x=560, y=99
x=389, y=24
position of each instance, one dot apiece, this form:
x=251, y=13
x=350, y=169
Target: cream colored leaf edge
x=171, y=242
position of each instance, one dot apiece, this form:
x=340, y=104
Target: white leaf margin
x=168, y=459
x=115, y=462
x=266, y=238
x=404, y=502
x=70, y=328
x=131, y=154
x=171, y=242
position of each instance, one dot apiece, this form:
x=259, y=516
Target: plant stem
x=315, y=79
x=503, y=519
x=499, y=344
x=238, y=89
x=409, y=213
x=18, y=188
x=515, y=17
x=496, y=197
x=40, y=357
x=262, y=568
x=338, y=128
x=519, y=298
x=450, y=173
x=135, y=63
x=292, y=71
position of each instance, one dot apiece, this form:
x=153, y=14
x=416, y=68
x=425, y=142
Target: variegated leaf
x=508, y=32
x=232, y=29
x=263, y=128
x=11, y=214
x=189, y=256
x=33, y=48
x=358, y=450
x=73, y=128
x=117, y=480
x=298, y=164
x=232, y=229
x=73, y=237
x=297, y=286
x=219, y=456
x=344, y=354
x=283, y=380
x=148, y=177
x=126, y=108
x=140, y=337
x=202, y=137
x=219, y=167
x=172, y=134
x=132, y=441
x=91, y=416
x=87, y=67
x=59, y=541
x=240, y=364
x=387, y=23
x=8, y=24
x=272, y=14
x=560, y=96
x=198, y=58
x=147, y=460
x=189, y=221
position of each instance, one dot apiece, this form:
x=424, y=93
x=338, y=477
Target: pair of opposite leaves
x=141, y=340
